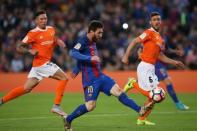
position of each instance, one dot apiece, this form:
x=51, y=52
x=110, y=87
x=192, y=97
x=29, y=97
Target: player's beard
x=94, y=39
x=42, y=25
x=156, y=28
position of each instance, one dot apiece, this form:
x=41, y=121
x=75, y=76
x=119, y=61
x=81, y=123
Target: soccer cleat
x=181, y=106
x=146, y=108
x=144, y=122
x=129, y=84
x=67, y=125
x=57, y=110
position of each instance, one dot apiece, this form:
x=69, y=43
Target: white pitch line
x=95, y=115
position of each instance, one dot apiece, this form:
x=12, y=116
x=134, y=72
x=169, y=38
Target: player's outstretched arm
x=178, y=52
x=129, y=49
x=79, y=56
x=168, y=60
x=24, y=48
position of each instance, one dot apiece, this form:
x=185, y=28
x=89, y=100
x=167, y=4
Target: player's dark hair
x=154, y=14
x=94, y=25
x=40, y=12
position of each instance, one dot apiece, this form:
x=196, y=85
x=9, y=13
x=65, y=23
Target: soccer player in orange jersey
x=153, y=44
x=40, y=43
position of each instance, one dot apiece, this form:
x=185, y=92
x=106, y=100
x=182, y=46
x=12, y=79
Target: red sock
x=60, y=91
x=18, y=91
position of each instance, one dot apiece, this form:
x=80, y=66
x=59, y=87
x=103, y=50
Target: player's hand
x=179, y=52
x=95, y=58
x=125, y=60
x=179, y=64
x=33, y=52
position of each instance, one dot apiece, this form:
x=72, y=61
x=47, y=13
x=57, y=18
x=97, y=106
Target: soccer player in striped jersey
x=94, y=81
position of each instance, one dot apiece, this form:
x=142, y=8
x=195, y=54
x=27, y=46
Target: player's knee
x=90, y=106
x=65, y=77
x=28, y=90
x=116, y=90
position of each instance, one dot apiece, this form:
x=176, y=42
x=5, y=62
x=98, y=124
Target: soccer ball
x=157, y=94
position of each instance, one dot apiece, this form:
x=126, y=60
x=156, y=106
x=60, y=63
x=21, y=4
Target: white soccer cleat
x=57, y=110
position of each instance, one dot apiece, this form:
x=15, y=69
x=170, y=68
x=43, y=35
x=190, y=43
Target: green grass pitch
x=32, y=113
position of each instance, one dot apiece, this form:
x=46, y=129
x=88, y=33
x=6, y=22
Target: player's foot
x=144, y=122
x=146, y=108
x=67, y=125
x=129, y=84
x=57, y=110
x=181, y=106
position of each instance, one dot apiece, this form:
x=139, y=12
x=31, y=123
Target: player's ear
x=150, y=22
x=92, y=32
x=36, y=20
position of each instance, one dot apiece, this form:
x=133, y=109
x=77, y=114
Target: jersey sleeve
x=79, y=46
x=76, y=52
x=144, y=36
x=29, y=38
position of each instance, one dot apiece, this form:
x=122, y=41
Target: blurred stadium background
x=71, y=17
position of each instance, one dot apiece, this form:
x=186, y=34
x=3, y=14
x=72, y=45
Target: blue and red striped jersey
x=82, y=52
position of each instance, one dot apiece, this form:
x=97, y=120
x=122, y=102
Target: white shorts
x=147, y=79
x=45, y=70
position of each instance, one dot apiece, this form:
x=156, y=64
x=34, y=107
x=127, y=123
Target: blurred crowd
x=71, y=17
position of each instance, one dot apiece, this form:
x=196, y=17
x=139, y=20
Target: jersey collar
x=152, y=29
x=37, y=28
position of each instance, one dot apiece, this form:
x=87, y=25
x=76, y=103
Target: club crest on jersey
x=78, y=46
x=47, y=42
x=142, y=36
